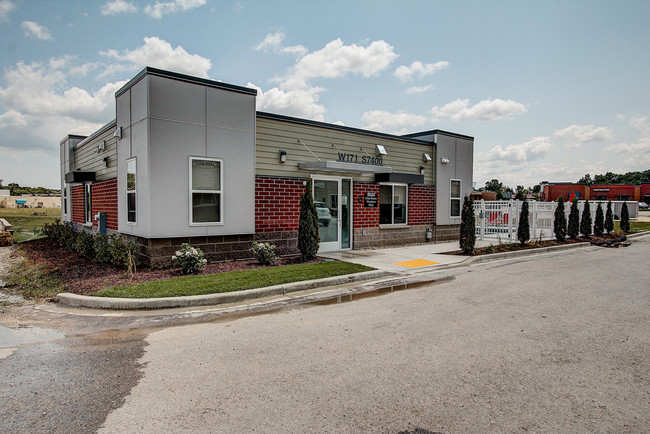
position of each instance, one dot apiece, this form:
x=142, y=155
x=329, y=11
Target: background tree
x=308, y=237
x=537, y=188
x=625, y=218
x=467, y=227
x=599, y=222
x=586, y=180
x=574, y=220
x=523, y=229
x=493, y=185
x=559, y=224
x=520, y=192
x=609, y=218
x=585, y=221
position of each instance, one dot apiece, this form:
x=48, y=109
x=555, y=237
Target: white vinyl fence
x=498, y=219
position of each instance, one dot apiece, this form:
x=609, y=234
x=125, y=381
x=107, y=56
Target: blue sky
x=550, y=90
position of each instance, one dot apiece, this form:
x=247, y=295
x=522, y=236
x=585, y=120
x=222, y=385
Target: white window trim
x=65, y=199
x=460, y=199
x=392, y=196
x=220, y=191
x=88, y=207
x=130, y=223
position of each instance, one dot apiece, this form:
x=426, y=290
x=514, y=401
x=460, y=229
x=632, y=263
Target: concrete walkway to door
x=409, y=259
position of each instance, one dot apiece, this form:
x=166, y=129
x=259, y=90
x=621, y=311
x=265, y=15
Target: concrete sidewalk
x=409, y=259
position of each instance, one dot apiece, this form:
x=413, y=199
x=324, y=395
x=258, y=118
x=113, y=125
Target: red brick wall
x=277, y=203
x=78, y=204
x=104, y=199
x=421, y=205
x=552, y=192
x=365, y=217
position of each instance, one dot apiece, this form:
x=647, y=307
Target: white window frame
x=392, y=203
x=65, y=199
x=88, y=204
x=459, y=199
x=220, y=192
x=134, y=192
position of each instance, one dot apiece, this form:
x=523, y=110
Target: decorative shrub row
x=107, y=249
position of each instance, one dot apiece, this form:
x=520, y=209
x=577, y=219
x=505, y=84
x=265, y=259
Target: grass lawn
x=634, y=226
x=26, y=220
x=232, y=281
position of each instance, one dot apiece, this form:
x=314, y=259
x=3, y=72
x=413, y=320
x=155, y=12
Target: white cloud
x=273, y=42
x=419, y=89
x=486, y=110
x=115, y=7
x=158, y=9
x=296, y=96
x=35, y=30
x=336, y=60
x=417, y=68
x=378, y=120
x=294, y=102
x=577, y=134
x=534, y=149
x=159, y=53
x=6, y=7
x=640, y=123
x=12, y=118
x=640, y=148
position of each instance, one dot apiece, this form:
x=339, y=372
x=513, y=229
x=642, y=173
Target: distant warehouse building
x=603, y=192
x=190, y=160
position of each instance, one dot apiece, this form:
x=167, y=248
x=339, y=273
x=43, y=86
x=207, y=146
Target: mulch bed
x=512, y=247
x=83, y=276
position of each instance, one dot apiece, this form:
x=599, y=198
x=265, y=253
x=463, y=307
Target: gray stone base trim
x=386, y=236
x=446, y=233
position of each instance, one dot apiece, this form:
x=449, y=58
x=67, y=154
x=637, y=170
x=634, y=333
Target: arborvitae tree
x=559, y=225
x=599, y=223
x=308, y=237
x=609, y=218
x=574, y=220
x=585, y=221
x=523, y=229
x=467, y=227
x=625, y=218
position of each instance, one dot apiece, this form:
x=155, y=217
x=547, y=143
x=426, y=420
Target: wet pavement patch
x=415, y=263
x=10, y=337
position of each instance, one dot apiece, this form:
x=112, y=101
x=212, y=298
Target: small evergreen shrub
x=585, y=222
x=559, y=224
x=523, y=229
x=609, y=218
x=625, y=218
x=467, y=227
x=574, y=220
x=264, y=253
x=189, y=259
x=308, y=236
x=84, y=244
x=599, y=223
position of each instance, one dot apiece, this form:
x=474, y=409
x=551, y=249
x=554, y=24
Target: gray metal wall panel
x=459, y=152
x=176, y=100
x=139, y=100
x=230, y=110
x=123, y=110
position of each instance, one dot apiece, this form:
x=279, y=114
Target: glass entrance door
x=333, y=200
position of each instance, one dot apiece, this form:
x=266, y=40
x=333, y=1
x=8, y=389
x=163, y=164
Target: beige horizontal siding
x=273, y=135
x=87, y=159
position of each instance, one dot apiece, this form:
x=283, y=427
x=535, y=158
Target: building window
x=392, y=204
x=205, y=191
x=623, y=197
x=130, y=191
x=88, y=207
x=454, y=195
x=65, y=199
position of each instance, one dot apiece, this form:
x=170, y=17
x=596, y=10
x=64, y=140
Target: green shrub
x=559, y=224
x=625, y=218
x=599, y=223
x=264, y=253
x=523, y=229
x=467, y=227
x=189, y=259
x=609, y=218
x=585, y=222
x=84, y=244
x=308, y=236
x=574, y=220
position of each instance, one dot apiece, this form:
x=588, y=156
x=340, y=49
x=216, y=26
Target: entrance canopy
x=343, y=167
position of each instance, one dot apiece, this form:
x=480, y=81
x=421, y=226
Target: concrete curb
x=75, y=300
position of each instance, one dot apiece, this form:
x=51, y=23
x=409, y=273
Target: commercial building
x=190, y=160
x=619, y=192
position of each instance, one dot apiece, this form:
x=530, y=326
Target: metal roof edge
x=183, y=77
x=284, y=118
x=443, y=132
x=97, y=133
